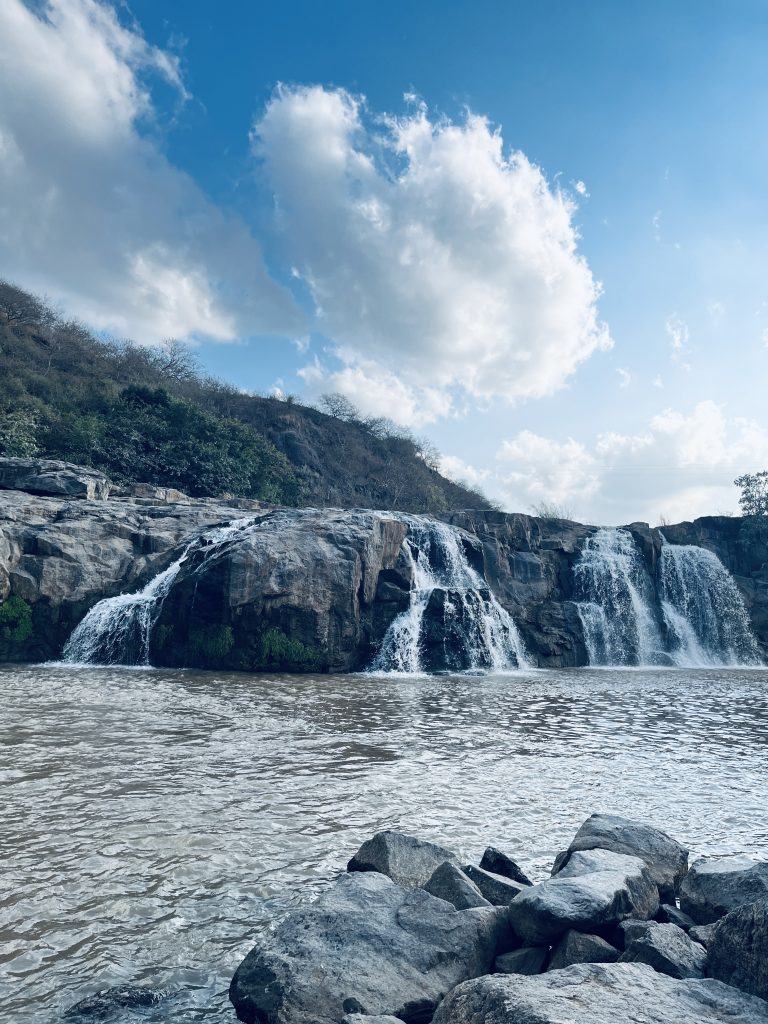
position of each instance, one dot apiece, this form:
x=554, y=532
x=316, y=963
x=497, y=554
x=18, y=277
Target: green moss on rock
x=15, y=625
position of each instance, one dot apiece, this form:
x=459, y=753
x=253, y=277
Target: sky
x=534, y=233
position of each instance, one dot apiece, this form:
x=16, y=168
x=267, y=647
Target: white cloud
x=625, y=377
x=679, y=338
x=681, y=467
x=581, y=188
x=457, y=469
x=433, y=257
x=658, y=381
x=91, y=211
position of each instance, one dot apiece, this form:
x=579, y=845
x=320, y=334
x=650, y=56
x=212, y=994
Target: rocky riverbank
x=623, y=929
x=303, y=589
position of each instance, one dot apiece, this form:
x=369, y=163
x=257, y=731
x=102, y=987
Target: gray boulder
x=594, y=892
x=499, y=863
x=716, y=885
x=580, y=948
x=526, y=960
x=669, y=914
x=667, y=949
x=54, y=478
x=450, y=883
x=702, y=933
x=367, y=946
x=406, y=860
x=738, y=950
x=598, y=994
x=111, y=1001
x=497, y=889
x=666, y=858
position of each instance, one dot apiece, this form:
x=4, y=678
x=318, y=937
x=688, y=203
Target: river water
x=154, y=822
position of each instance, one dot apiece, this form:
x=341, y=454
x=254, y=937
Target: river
x=154, y=822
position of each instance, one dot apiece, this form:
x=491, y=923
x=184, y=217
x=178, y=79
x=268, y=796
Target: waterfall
x=707, y=623
x=615, y=601
x=118, y=630
x=453, y=620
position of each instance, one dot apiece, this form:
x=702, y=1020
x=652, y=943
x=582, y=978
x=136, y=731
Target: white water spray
x=118, y=630
x=476, y=633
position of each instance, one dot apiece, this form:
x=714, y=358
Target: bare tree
x=340, y=407
x=20, y=309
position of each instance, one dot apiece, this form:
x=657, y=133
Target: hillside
x=149, y=415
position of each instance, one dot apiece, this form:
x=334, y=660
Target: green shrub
x=211, y=644
x=280, y=651
x=15, y=624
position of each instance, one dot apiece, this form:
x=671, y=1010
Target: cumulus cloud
x=682, y=466
x=91, y=211
x=457, y=469
x=433, y=255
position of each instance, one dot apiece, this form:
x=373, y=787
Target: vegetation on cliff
x=149, y=415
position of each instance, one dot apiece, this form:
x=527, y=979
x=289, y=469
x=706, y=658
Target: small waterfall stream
x=453, y=621
x=707, y=622
x=118, y=630
x=692, y=615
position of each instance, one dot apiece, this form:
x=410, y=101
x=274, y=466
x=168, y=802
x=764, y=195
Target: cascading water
x=118, y=630
x=453, y=620
x=615, y=600
x=705, y=616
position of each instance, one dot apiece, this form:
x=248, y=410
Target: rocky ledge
x=622, y=930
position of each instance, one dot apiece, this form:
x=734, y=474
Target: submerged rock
x=667, y=859
x=598, y=994
x=500, y=864
x=594, y=892
x=448, y=882
x=367, y=946
x=716, y=885
x=667, y=949
x=406, y=860
x=580, y=948
x=120, y=997
x=738, y=949
x=497, y=889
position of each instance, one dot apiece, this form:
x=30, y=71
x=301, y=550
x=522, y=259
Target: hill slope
x=149, y=415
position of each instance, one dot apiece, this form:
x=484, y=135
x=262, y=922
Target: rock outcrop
x=54, y=478
x=598, y=994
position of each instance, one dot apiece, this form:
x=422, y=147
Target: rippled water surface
x=153, y=822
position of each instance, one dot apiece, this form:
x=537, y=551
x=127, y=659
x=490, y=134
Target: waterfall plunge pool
x=154, y=822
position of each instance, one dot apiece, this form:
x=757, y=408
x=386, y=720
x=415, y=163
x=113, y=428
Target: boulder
x=669, y=914
x=580, y=948
x=54, y=478
x=702, y=933
x=499, y=863
x=364, y=1018
x=450, y=883
x=738, y=949
x=666, y=858
x=497, y=889
x=111, y=1001
x=526, y=960
x=716, y=885
x=598, y=994
x=367, y=946
x=406, y=860
x=593, y=893
x=667, y=949
x=165, y=495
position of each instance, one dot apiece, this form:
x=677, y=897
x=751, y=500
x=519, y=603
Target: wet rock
x=738, y=949
x=580, y=948
x=367, y=946
x=363, y=1018
x=499, y=863
x=109, y=1002
x=716, y=885
x=666, y=858
x=526, y=960
x=671, y=915
x=702, y=933
x=54, y=478
x=406, y=860
x=497, y=889
x=595, y=891
x=598, y=994
x=450, y=883
x=667, y=949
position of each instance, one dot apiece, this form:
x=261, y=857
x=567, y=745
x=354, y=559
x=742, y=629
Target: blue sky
x=585, y=323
